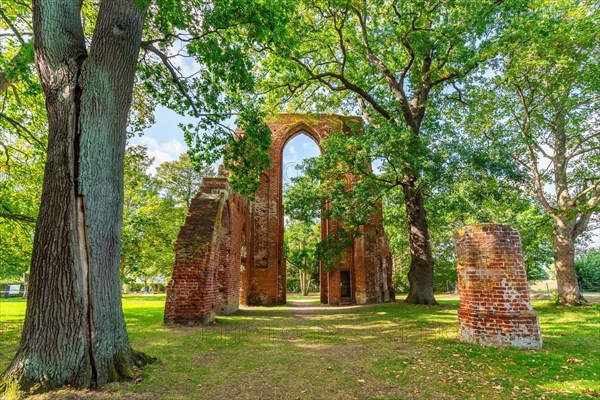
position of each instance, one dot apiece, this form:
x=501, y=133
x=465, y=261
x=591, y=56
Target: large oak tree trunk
x=74, y=332
x=420, y=274
x=564, y=264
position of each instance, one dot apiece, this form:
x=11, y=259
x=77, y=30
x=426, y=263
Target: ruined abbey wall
x=230, y=251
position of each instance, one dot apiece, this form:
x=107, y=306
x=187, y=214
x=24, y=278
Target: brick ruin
x=495, y=308
x=230, y=250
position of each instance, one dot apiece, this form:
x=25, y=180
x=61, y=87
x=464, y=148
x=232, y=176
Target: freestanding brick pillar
x=495, y=308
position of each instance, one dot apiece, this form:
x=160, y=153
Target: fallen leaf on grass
x=138, y=379
x=573, y=360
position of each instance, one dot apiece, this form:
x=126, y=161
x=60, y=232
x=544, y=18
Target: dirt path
x=310, y=308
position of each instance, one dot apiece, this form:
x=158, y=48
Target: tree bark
x=564, y=230
x=564, y=264
x=420, y=274
x=74, y=332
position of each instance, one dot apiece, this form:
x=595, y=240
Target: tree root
x=16, y=385
x=421, y=299
x=141, y=359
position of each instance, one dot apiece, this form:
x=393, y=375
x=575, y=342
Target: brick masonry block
x=495, y=308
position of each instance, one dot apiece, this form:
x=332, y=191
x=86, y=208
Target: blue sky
x=164, y=139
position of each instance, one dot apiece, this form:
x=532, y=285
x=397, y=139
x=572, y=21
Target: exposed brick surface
x=230, y=251
x=206, y=274
x=495, y=308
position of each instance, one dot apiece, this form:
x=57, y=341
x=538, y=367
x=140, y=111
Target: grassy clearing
x=379, y=351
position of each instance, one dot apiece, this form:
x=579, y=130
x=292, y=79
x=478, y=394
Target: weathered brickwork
x=206, y=274
x=495, y=308
x=230, y=251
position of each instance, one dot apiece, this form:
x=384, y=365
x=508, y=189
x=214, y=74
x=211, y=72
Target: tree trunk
x=564, y=264
x=304, y=283
x=420, y=274
x=565, y=227
x=74, y=332
x=301, y=279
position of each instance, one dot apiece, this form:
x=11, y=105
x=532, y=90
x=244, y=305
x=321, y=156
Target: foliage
x=152, y=216
x=181, y=179
x=588, y=271
x=20, y=189
x=22, y=141
x=301, y=198
x=476, y=185
x=539, y=102
x=196, y=60
x=300, y=249
x=302, y=236
x=543, y=104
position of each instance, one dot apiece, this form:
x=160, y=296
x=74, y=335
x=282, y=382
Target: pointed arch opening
x=301, y=214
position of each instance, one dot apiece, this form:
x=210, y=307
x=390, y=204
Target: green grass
x=379, y=351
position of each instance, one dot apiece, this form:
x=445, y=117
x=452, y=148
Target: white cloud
x=186, y=65
x=161, y=152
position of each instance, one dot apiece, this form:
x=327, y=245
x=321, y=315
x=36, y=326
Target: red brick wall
x=206, y=274
x=191, y=293
x=495, y=308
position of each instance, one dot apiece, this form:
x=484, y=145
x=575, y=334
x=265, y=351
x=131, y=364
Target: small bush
x=588, y=271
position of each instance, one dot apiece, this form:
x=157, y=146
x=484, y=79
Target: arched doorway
x=302, y=220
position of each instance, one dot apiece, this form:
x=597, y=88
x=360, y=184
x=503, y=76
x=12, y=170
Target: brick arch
x=280, y=140
x=300, y=128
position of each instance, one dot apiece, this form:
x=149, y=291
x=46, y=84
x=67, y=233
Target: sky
x=295, y=151
x=164, y=139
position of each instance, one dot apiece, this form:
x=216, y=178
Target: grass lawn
x=313, y=352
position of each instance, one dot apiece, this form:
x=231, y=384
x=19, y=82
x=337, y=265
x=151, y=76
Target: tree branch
x=149, y=46
x=389, y=77
x=19, y=126
x=347, y=85
x=18, y=217
x=12, y=27
x=537, y=183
